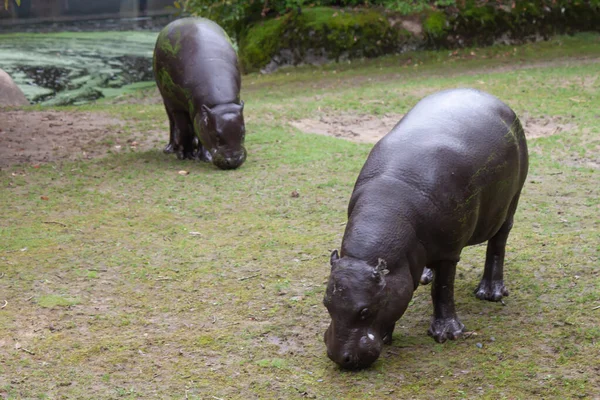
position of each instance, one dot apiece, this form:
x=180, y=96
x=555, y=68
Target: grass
x=114, y=297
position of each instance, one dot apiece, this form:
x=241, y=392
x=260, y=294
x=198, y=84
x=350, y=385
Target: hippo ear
x=205, y=112
x=382, y=267
x=334, y=257
x=206, y=109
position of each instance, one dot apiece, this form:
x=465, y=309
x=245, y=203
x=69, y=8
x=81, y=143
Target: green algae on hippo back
x=197, y=73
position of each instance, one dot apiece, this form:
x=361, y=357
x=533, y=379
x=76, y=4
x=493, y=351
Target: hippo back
x=195, y=57
x=456, y=161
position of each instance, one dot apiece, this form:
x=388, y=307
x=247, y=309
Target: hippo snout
x=229, y=160
x=353, y=354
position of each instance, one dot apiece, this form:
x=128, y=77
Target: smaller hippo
x=448, y=175
x=198, y=76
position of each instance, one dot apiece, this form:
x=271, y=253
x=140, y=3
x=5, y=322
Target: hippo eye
x=364, y=313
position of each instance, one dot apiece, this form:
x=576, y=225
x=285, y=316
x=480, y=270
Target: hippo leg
x=183, y=136
x=491, y=286
x=169, y=148
x=426, y=276
x=445, y=324
x=387, y=333
x=203, y=154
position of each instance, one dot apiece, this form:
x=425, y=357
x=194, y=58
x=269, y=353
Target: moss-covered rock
x=261, y=43
x=320, y=34
x=316, y=35
x=435, y=25
x=476, y=24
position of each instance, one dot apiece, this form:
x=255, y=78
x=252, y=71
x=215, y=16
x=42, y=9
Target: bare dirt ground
x=47, y=136
x=370, y=128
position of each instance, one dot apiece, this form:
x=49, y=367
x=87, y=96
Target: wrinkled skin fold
x=198, y=76
x=448, y=175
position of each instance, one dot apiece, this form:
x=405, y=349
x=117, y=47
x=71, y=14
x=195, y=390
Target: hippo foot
x=169, y=149
x=186, y=155
x=444, y=329
x=387, y=335
x=427, y=276
x=204, y=155
x=491, y=290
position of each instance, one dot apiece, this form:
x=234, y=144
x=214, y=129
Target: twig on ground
x=5, y=304
x=469, y=334
x=595, y=308
x=217, y=398
x=248, y=277
x=55, y=222
x=1, y=275
x=27, y=351
x=97, y=270
x=163, y=278
x=29, y=298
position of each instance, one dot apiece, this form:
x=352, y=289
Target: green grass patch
x=210, y=284
x=52, y=301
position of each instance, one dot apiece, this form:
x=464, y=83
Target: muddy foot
x=444, y=329
x=427, y=276
x=492, y=291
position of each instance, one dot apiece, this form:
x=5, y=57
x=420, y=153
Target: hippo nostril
x=347, y=359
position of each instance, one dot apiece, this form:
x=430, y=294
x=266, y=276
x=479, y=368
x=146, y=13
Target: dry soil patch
x=370, y=128
x=355, y=127
x=49, y=136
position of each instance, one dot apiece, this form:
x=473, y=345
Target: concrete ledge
x=13, y=22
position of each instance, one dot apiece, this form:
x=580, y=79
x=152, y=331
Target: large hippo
x=197, y=73
x=448, y=175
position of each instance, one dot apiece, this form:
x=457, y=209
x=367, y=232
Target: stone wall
x=53, y=9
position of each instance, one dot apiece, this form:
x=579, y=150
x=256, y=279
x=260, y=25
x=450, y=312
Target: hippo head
x=222, y=133
x=356, y=299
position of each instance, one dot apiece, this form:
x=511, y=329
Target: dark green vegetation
x=319, y=33
x=271, y=30
x=132, y=281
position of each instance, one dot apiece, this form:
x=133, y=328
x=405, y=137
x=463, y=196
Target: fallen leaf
x=44, y=198
x=295, y=194
x=182, y=172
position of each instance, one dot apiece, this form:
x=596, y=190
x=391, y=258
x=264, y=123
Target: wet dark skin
x=448, y=175
x=198, y=76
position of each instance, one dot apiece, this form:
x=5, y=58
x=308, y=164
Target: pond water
x=61, y=68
